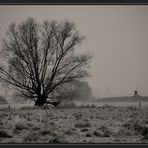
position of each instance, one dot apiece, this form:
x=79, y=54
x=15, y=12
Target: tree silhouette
x=41, y=58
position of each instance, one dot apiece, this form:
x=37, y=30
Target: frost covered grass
x=106, y=124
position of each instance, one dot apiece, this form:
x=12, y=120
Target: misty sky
x=116, y=35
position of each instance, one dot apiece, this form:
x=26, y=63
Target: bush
x=84, y=130
x=82, y=124
x=77, y=116
x=5, y=134
x=32, y=137
x=133, y=108
x=97, y=134
x=45, y=132
x=88, y=135
x=28, y=108
x=137, y=127
x=144, y=132
x=141, y=129
x=88, y=106
x=124, y=132
x=67, y=104
x=57, y=140
x=70, y=131
x=105, y=131
x=21, y=125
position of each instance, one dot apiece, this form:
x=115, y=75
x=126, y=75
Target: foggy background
x=116, y=35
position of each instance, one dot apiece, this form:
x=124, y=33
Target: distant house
x=136, y=93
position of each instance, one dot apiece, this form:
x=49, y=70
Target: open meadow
x=106, y=124
x=73, y=74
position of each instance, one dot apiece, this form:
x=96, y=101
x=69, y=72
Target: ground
x=105, y=124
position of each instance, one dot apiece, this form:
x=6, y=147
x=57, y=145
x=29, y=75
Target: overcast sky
x=116, y=35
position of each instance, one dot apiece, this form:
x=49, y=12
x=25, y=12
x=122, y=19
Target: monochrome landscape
x=73, y=74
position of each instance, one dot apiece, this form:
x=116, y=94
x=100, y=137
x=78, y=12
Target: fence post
x=9, y=106
x=139, y=104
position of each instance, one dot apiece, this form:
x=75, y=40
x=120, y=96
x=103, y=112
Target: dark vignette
x=74, y=2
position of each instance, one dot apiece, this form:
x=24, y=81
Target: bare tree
x=41, y=58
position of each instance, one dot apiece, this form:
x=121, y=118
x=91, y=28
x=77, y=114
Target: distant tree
x=83, y=91
x=41, y=58
x=79, y=90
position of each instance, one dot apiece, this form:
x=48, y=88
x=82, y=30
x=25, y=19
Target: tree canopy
x=41, y=58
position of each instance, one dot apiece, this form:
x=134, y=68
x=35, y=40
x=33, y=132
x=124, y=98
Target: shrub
x=32, y=137
x=88, y=106
x=21, y=125
x=137, y=127
x=45, y=132
x=144, y=132
x=67, y=104
x=70, y=131
x=28, y=107
x=96, y=133
x=105, y=131
x=82, y=124
x=88, y=135
x=124, y=132
x=57, y=140
x=133, y=108
x=141, y=129
x=78, y=116
x=26, y=125
x=84, y=130
x=5, y=134
x=93, y=106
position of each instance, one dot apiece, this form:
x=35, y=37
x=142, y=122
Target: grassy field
x=106, y=124
x=115, y=104
x=124, y=99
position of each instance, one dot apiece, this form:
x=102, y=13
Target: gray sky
x=116, y=35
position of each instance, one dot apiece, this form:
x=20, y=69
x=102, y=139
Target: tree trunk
x=41, y=100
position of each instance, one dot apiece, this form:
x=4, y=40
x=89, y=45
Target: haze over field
x=116, y=35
